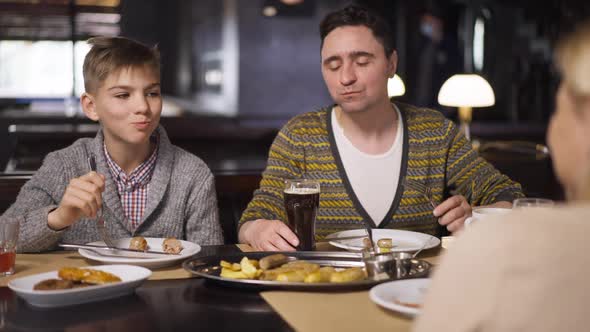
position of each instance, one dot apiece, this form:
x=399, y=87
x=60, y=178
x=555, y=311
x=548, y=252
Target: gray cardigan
x=181, y=198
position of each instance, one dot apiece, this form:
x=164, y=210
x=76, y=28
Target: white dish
x=131, y=278
x=154, y=243
x=404, y=296
x=402, y=240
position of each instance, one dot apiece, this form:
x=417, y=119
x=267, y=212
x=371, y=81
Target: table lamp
x=395, y=86
x=466, y=91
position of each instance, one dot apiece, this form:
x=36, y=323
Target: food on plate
x=279, y=267
x=73, y=277
x=138, y=243
x=407, y=304
x=172, y=246
x=385, y=245
x=272, y=261
x=53, y=284
x=323, y=274
x=245, y=270
x=88, y=276
x=348, y=275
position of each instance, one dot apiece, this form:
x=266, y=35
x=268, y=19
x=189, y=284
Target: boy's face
x=355, y=68
x=127, y=104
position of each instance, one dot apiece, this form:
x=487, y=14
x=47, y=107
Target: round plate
x=208, y=268
x=131, y=278
x=154, y=243
x=405, y=241
x=403, y=296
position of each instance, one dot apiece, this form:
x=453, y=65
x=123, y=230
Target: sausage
x=272, y=261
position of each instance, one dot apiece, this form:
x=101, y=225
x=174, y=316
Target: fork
x=99, y=219
x=421, y=188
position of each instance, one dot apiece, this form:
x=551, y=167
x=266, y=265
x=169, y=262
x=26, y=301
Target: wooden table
x=173, y=305
x=164, y=305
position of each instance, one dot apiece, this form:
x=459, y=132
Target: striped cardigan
x=435, y=152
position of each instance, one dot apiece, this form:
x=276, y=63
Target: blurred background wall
x=234, y=71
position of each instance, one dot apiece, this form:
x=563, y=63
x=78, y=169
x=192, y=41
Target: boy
x=145, y=185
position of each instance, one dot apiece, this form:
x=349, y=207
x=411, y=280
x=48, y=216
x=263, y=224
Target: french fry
x=307, y=267
x=229, y=273
x=326, y=273
x=313, y=277
x=292, y=276
x=348, y=275
x=247, y=268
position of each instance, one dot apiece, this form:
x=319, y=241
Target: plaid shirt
x=133, y=188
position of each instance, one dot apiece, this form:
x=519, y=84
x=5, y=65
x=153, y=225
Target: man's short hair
x=359, y=16
x=109, y=54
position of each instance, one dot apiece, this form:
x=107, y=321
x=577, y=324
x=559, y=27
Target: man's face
x=128, y=104
x=355, y=68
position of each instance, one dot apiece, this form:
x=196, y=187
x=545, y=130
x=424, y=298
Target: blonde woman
x=529, y=271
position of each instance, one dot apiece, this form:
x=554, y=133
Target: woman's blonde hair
x=573, y=59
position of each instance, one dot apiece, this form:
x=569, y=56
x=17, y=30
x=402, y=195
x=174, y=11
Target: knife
x=124, y=252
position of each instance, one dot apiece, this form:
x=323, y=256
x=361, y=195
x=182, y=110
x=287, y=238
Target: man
x=364, y=147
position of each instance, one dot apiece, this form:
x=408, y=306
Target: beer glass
x=302, y=199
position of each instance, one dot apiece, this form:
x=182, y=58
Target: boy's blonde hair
x=109, y=54
x=573, y=59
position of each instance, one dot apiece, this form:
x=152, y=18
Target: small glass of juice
x=9, y=227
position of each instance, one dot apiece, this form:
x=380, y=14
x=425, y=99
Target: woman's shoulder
x=541, y=230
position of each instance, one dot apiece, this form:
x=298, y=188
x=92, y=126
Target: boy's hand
x=81, y=199
x=268, y=235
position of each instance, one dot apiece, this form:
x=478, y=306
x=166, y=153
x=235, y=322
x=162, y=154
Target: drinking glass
x=302, y=199
x=528, y=202
x=9, y=227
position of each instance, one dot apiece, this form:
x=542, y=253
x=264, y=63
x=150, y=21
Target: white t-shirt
x=373, y=178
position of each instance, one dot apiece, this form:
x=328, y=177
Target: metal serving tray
x=208, y=268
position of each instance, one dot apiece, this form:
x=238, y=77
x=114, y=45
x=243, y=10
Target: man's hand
x=82, y=198
x=268, y=235
x=453, y=212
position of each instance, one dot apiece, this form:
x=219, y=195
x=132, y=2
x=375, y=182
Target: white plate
x=391, y=295
x=154, y=243
x=402, y=240
x=131, y=276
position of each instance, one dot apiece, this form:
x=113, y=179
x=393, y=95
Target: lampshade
x=469, y=90
x=395, y=86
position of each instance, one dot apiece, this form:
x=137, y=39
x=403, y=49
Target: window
x=43, y=44
x=41, y=69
